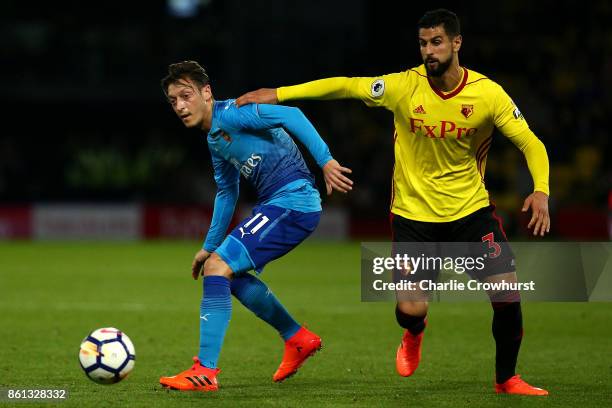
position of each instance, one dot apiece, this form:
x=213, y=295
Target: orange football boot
x=408, y=354
x=197, y=378
x=515, y=385
x=298, y=348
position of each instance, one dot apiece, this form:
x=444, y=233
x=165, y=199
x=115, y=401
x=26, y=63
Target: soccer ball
x=107, y=355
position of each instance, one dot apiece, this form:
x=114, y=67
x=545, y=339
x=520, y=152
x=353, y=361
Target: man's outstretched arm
x=382, y=91
x=329, y=88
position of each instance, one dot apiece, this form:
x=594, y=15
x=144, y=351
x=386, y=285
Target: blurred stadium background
x=90, y=149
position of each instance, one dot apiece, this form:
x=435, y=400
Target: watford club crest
x=467, y=110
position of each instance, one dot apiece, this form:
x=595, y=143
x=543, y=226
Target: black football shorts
x=481, y=231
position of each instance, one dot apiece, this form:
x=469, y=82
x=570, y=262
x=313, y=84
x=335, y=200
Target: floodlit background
x=90, y=148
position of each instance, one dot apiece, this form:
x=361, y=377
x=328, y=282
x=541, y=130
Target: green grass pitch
x=53, y=294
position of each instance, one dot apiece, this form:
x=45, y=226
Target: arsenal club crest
x=467, y=110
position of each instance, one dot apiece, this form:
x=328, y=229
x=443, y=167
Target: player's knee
x=215, y=266
x=413, y=308
x=503, y=297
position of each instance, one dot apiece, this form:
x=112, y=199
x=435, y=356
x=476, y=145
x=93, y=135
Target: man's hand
x=198, y=262
x=263, y=95
x=538, y=202
x=335, y=179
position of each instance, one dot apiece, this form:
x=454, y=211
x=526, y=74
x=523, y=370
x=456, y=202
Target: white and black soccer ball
x=107, y=355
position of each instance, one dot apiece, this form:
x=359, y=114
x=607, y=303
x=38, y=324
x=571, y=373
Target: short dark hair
x=185, y=70
x=444, y=17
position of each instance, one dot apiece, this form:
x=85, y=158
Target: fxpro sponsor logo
x=442, y=130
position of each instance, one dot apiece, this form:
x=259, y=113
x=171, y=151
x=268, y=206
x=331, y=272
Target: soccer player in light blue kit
x=252, y=141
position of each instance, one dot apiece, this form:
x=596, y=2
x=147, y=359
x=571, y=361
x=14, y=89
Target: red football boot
x=197, y=378
x=298, y=348
x=515, y=385
x=408, y=354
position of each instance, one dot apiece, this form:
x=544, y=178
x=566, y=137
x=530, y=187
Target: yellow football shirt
x=441, y=139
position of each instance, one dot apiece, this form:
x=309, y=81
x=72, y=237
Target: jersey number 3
x=492, y=245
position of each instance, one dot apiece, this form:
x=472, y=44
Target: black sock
x=508, y=333
x=414, y=324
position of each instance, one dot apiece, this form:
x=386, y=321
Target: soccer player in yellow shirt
x=444, y=115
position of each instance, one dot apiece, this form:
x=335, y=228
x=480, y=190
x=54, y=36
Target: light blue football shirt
x=253, y=141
